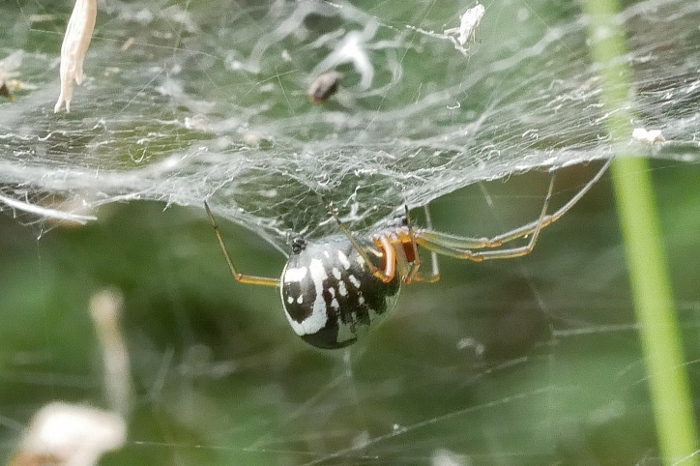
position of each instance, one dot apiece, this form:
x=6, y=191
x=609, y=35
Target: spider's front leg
x=239, y=277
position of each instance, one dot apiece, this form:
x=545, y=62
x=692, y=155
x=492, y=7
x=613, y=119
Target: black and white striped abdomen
x=330, y=296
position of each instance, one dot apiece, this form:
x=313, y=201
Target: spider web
x=183, y=103
x=191, y=100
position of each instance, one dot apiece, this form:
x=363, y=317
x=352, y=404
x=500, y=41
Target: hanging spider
x=333, y=290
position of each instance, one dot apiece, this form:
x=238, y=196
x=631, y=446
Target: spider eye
x=298, y=245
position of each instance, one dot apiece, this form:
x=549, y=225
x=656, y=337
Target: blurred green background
x=528, y=361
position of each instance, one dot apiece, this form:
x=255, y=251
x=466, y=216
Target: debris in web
x=47, y=213
x=75, y=45
x=352, y=49
x=648, y=136
x=324, y=86
x=463, y=35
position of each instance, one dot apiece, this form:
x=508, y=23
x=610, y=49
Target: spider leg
x=478, y=256
x=434, y=241
x=389, y=260
x=413, y=275
x=464, y=247
x=553, y=217
x=442, y=242
x=403, y=266
x=239, y=277
x=413, y=268
x=435, y=269
x=387, y=274
x=509, y=253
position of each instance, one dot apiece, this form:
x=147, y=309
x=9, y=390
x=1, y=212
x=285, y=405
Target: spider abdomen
x=329, y=294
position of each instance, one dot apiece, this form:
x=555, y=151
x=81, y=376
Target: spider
x=335, y=289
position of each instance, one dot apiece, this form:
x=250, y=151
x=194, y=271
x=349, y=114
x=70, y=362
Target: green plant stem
x=644, y=248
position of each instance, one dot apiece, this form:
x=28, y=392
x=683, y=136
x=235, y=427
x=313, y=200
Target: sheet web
x=200, y=107
x=191, y=100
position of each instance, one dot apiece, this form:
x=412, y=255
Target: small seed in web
x=324, y=86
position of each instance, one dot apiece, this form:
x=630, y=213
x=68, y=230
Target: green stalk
x=659, y=331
